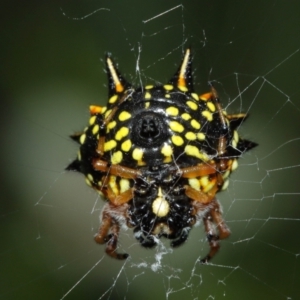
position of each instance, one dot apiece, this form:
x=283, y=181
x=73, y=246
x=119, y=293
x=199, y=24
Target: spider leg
x=211, y=219
x=109, y=224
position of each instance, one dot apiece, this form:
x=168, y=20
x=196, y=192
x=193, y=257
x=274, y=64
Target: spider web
x=52, y=70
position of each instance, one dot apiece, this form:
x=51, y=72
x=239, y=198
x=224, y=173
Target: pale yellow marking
x=85, y=129
x=226, y=174
x=211, y=106
x=186, y=116
x=92, y=120
x=167, y=159
x=200, y=136
x=88, y=182
x=160, y=205
x=113, y=99
x=116, y=158
x=194, y=151
x=177, y=140
x=126, y=145
x=207, y=114
x=206, y=184
x=234, y=165
x=103, y=110
x=168, y=87
x=183, y=88
x=167, y=150
x=147, y=96
x=195, y=96
x=137, y=154
x=79, y=155
x=225, y=185
x=147, y=104
x=175, y=126
x=233, y=143
x=124, y=185
x=95, y=129
x=236, y=136
x=124, y=115
x=113, y=184
x=195, y=124
x=110, y=145
x=191, y=136
x=90, y=177
x=149, y=87
x=82, y=139
x=114, y=75
x=167, y=96
x=192, y=105
x=107, y=113
x=172, y=111
x=111, y=125
x=194, y=183
x=121, y=133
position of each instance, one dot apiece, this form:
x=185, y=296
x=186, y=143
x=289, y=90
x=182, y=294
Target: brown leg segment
x=109, y=224
x=214, y=217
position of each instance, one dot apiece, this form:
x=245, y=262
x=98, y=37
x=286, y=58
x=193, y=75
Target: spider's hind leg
x=110, y=224
x=213, y=219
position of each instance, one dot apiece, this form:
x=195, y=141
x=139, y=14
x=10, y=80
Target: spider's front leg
x=211, y=219
x=109, y=230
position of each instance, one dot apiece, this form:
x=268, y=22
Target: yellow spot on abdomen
x=137, y=154
x=195, y=96
x=112, y=124
x=110, y=145
x=92, y=120
x=82, y=139
x=126, y=145
x=113, y=99
x=167, y=150
x=208, y=115
x=177, y=140
x=195, y=124
x=211, y=106
x=121, y=133
x=194, y=151
x=95, y=129
x=116, y=158
x=124, y=115
x=168, y=87
x=201, y=136
x=186, y=116
x=190, y=136
x=147, y=96
x=175, y=126
x=172, y=111
x=192, y=105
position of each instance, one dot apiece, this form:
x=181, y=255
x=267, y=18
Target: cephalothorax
x=159, y=154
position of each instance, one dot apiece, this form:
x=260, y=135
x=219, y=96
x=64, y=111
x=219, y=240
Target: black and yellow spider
x=159, y=154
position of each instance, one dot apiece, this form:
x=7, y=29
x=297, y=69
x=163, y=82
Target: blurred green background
x=52, y=70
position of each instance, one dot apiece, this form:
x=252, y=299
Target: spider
x=159, y=154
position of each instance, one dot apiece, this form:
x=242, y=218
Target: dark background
x=52, y=70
